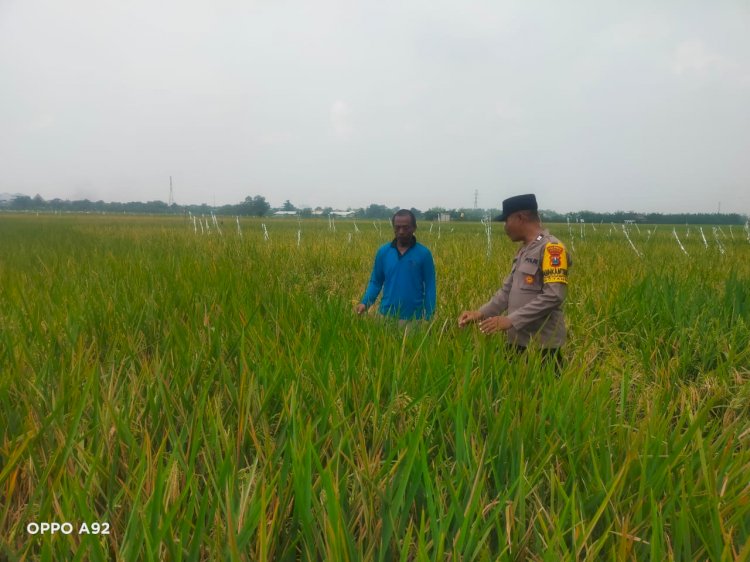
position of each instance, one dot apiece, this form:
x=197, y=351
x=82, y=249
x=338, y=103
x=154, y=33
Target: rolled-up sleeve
x=499, y=301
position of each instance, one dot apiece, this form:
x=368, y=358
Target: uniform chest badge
x=529, y=279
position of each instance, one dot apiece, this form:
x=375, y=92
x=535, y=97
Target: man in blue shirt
x=404, y=270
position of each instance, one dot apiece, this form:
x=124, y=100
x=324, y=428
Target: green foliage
x=376, y=211
x=257, y=206
x=212, y=397
x=252, y=206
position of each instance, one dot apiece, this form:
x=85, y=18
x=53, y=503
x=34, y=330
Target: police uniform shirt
x=534, y=292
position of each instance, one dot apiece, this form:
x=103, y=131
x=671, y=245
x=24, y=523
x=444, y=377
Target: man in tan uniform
x=534, y=291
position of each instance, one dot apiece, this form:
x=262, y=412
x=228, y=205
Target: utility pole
x=171, y=192
x=476, y=198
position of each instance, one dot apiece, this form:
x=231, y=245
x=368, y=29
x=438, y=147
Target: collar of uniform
x=412, y=243
x=533, y=244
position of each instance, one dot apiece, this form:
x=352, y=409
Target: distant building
x=342, y=213
x=285, y=213
x=444, y=217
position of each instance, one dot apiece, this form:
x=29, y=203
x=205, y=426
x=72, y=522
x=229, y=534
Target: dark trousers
x=549, y=354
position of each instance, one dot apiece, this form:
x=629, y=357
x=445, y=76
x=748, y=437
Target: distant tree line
x=257, y=206
x=251, y=206
x=648, y=218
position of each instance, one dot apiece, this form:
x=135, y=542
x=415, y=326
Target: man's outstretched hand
x=469, y=317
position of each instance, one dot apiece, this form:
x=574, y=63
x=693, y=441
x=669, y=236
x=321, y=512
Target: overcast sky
x=591, y=105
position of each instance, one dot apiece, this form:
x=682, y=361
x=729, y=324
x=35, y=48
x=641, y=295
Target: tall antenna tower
x=476, y=198
x=171, y=192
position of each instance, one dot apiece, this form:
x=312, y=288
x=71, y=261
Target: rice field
x=208, y=394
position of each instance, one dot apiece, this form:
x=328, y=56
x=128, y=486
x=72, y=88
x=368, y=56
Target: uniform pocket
x=529, y=278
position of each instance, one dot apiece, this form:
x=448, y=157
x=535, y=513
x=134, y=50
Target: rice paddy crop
x=208, y=394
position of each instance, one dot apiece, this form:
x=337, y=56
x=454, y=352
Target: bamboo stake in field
x=718, y=242
x=625, y=231
x=239, y=230
x=487, y=222
x=571, y=235
x=265, y=232
x=299, y=237
x=684, y=251
x=705, y=243
x=195, y=226
x=216, y=223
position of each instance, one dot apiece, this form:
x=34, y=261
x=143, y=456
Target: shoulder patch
x=554, y=264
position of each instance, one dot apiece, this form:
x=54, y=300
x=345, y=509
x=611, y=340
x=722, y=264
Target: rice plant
x=215, y=398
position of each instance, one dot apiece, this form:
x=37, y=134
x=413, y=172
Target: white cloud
x=508, y=111
x=693, y=57
x=635, y=33
x=40, y=122
x=275, y=138
x=341, y=119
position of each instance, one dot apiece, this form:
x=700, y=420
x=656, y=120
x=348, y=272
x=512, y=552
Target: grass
x=213, y=397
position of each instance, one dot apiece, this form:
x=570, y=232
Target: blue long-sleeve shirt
x=407, y=281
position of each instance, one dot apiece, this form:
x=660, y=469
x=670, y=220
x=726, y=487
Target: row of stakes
x=205, y=228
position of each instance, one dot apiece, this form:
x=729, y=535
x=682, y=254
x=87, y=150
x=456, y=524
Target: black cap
x=517, y=203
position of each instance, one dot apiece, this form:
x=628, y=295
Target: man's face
x=403, y=229
x=513, y=226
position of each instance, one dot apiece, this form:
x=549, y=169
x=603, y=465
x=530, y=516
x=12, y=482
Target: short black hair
x=531, y=215
x=404, y=213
